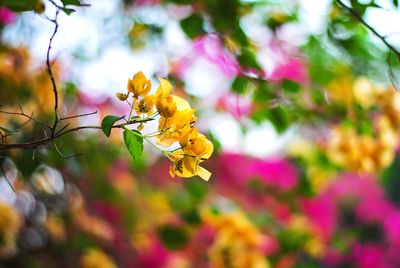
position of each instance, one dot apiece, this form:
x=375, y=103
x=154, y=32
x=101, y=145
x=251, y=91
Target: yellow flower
x=145, y=105
x=139, y=85
x=164, y=101
x=56, y=228
x=237, y=243
x=341, y=91
x=10, y=224
x=96, y=258
x=187, y=160
x=364, y=92
x=166, y=107
x=121, y=96
x=178, y=126
x=163, y=90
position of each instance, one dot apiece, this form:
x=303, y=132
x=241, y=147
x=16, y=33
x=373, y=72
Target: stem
x=369, y=27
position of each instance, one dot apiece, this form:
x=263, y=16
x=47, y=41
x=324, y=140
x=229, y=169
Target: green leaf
x=396, y=3
x=193, y=25
x=239, y=85
x=6, y=130
x=173, y=237
x=108, y=122
x=289, y=86
x=134, y=143
x=71, y=2
x=68, y=11
x=248, y=59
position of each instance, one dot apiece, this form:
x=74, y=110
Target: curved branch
x=50, y=71
x=36, y=143
x=369, y=27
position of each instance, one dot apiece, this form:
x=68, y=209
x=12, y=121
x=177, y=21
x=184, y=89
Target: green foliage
x=23, y=5
x=134, y=143
x=239, y=85
x=108, y=122
x=193, y=25
x=173, y=237
x=248, y=59
x=71, y=2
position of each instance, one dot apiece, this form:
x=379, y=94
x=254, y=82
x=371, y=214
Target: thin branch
x=369, y=27
x=6, y=178
x=30, y=117
x=79, y=115
x=50, y=71
x=46, y=140
x=62, y=155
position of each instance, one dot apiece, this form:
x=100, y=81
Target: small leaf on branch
x=68, y=11
x=71, y=2
x=108, y=122
x=134, y=143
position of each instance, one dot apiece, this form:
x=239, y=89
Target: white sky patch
x=227, y=130
x=263, y=141
x=110, y=73
x=204, y=79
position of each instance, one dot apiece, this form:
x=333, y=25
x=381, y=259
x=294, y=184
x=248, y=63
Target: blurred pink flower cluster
x=355, y=203
x=241, y=169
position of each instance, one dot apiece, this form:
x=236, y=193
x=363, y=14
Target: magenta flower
x=277, y=173
x=210, y=48
x=290, y=69
x=6, y=16
x=234, y=104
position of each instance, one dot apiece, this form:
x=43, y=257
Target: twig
x=30, y=117
x=46, y=140
x=79, y=115
x=6, y=178
x=50, y=72
x=369, y=27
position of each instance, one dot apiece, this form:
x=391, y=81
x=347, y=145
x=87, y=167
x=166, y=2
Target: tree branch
x=369, y=27
x=36, y=143
x=50, y=71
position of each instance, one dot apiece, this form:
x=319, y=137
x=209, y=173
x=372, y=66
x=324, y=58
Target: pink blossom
x=290, y=69
x=209, y=47
x=154, y=256
x=370, y=256
x=392, y=230
x=6, y=16
x=147, y=2
x=322, y=212
x=235, y=105
x=241, y=169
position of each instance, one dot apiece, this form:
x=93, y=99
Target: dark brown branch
x=50, y=72
x=369, y=27
x=43, y=141
x=30, y=117
x=79, y=115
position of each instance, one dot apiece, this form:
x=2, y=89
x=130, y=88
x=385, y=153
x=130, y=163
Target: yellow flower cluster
x=368, y=152
x=95, y=258
x=10, y=225
x=238, y=241
x=312, y=244
x=176, y=125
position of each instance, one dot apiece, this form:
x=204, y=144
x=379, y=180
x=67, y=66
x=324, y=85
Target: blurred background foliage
x=326, y=195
